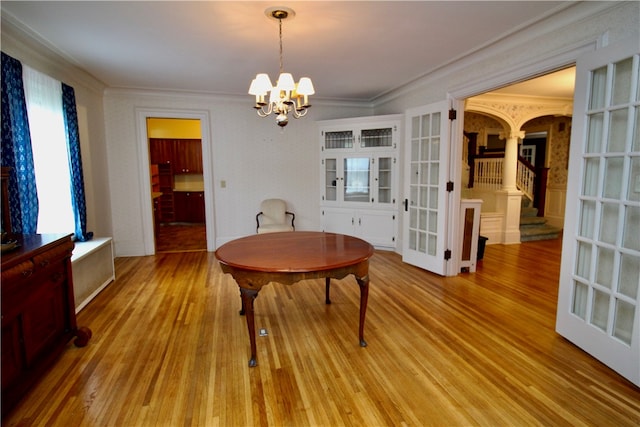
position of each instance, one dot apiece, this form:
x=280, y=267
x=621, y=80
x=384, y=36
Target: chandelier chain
x=281, y=65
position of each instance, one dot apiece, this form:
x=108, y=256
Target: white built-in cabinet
x=359, y=162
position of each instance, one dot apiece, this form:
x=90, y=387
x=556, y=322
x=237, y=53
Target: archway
x=512, y=116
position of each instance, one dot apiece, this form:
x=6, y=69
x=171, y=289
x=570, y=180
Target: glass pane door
x=607, y=272
x=600, y=279
x=423, y=200
x=356, y=179
x=425, y=207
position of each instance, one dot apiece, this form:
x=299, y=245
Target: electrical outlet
x=263, y=332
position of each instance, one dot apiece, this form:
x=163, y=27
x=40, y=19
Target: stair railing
x=488, y=172
x=526, y=177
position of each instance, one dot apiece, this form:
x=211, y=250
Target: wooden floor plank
x=169, y=348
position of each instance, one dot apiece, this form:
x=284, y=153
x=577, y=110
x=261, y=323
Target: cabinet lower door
x=339, y=221
x=377, y=227
x=43, y=321
x=12, y=360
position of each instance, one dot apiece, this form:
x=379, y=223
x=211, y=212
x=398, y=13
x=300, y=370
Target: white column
x=509, y=198
x=510, y=165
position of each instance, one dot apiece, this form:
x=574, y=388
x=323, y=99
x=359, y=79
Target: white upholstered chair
x=274, y=216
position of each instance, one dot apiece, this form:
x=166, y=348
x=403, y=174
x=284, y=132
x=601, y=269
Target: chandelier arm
x=262, y=113
x=298, y=114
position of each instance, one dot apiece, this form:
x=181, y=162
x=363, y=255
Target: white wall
x=255, y=158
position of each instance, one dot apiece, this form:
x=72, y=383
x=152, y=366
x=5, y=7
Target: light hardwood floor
x=181, y=237
x=170, y=349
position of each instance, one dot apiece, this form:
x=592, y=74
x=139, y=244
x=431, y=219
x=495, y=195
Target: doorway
x=540, y=109
x=177, y=184
x=534, y=148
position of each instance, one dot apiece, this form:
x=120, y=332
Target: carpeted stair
x=534, y=227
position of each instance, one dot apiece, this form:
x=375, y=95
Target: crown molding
x=31, y=49
x=217, y=97
x=569, y=13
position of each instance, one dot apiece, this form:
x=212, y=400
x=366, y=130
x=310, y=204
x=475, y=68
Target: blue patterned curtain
x=16, y=149
x=75, y=163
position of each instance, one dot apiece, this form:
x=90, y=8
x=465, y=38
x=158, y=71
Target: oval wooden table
x=290, y=257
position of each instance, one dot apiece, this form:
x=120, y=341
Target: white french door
x=426, y=215
x=599, y=294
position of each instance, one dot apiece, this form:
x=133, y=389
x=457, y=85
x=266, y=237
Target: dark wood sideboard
x=38, y=311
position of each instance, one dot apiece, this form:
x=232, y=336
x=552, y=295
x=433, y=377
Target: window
x=43, y=96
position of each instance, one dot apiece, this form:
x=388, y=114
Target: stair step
x=527, y=212
x=544, y=232
x=525, y=202
x=532, y=220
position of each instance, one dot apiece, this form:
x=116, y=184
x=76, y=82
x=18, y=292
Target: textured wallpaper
x=558, y=138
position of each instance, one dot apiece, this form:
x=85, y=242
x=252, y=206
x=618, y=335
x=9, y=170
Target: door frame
x=522, y=72
x=525, y=72
x=145, y=174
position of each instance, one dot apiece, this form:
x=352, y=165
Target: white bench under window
x=93, y=269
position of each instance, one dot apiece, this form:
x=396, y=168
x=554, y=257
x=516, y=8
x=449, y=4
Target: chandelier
x=286, y=97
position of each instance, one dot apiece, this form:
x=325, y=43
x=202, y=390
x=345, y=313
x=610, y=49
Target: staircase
x=534, y=227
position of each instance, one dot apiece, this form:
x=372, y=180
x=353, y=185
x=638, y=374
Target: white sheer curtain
x=50, y=154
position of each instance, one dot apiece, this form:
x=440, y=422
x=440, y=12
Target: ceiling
x=353, y=51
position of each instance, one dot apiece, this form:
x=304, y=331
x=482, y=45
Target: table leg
x=242, y=306
x=328, y=288
x=363, y=282
x=248, y=296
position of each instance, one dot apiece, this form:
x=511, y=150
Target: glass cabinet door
x=331, y=179
x=356, y=179
x=371, y=138
x=384, y=180
x=338, y=140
